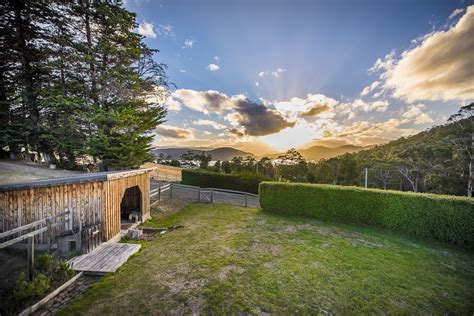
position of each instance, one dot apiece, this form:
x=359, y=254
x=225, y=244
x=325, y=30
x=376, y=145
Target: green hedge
x=247, y=182
x=442, y=217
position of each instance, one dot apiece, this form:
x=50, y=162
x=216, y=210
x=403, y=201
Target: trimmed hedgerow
x=247, y=182
x=442, y=217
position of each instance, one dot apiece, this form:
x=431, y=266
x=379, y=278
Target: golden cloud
x=441, y=67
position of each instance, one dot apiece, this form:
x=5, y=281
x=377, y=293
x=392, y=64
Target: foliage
x=77, y=82
x=26, y=290
x=50, y=272
x=246, y=182
x=44, y=263
x=434, y=161
x=234, y=260
x=63, y=270
x=445, y=218
x=190, y=157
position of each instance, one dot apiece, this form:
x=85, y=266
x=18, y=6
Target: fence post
x=31, y=256
x=49, y=233
x=199, y=195
x=212, y=195
x=171, y=190
x=245, y=200
x=79, y=244
x=366, y=176
x=159, y=194
x=71, y=220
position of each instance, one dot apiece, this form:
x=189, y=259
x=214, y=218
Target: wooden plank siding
x=93, y=200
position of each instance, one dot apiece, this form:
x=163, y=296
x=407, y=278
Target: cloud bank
x=439, y=68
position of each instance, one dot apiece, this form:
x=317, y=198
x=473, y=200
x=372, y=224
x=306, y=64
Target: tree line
x=75, y=84
x=439, y=160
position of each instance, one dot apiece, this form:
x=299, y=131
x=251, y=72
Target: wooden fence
x=203, y=195
x=49, y=228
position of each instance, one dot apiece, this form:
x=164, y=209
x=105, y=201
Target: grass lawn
x=230, y=259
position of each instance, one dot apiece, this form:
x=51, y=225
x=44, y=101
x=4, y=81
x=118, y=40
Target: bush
x=26, y=290
x=442, y=217
x=246, y=182
x=44, y=263
x=63, y=270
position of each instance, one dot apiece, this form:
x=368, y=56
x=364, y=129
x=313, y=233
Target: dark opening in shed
x=130, y=207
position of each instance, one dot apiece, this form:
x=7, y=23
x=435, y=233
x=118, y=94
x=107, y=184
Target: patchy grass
x=229, y=260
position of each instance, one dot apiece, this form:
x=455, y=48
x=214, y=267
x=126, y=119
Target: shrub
x=442, y=217
x=44, y=263
x=63, y=270
x=26, y=290
x=246, y=182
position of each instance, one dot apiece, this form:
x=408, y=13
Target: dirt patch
x=167, y=207
x=227, y=270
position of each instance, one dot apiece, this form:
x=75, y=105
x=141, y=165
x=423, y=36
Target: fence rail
x=49, y=226
x=206, y=195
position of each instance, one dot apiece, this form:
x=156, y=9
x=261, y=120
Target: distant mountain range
x=221, y=153
x=227, y=153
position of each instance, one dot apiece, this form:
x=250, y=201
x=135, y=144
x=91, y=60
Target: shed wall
x=24, y=206
x=115, y=191
x=96, y=202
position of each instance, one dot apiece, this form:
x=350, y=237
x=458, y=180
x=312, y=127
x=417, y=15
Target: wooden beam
x=31, y=256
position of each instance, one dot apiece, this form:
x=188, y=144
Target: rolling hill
x=221, y=153
x=318, y=152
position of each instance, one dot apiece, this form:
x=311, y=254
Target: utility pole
x=366, y=176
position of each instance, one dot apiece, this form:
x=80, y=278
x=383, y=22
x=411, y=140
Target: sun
x=299, y=135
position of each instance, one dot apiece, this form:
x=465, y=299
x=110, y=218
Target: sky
x=265, y=76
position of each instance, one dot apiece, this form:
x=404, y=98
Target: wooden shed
x=103, y=199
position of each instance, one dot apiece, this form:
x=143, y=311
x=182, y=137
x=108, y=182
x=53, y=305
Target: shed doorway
x=131, y=205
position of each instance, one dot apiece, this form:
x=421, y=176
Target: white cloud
x=182, y=71
x=173, y=105
x=298, y=120
x=311, y=105
x=455, y=13
x=213, y=124
x=379, y=106
x=257, y=83
x=213, y=67
x=188, y=43
x=277, y=72
x=440, y=68
x=385, y=64
x=165, y=30
x=203, y=101
x=174, y=132
x=415, y=114
x=146, y=29
x=217, y=58
x=370, y=88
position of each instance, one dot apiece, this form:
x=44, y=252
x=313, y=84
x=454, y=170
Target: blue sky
x=249, y=72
